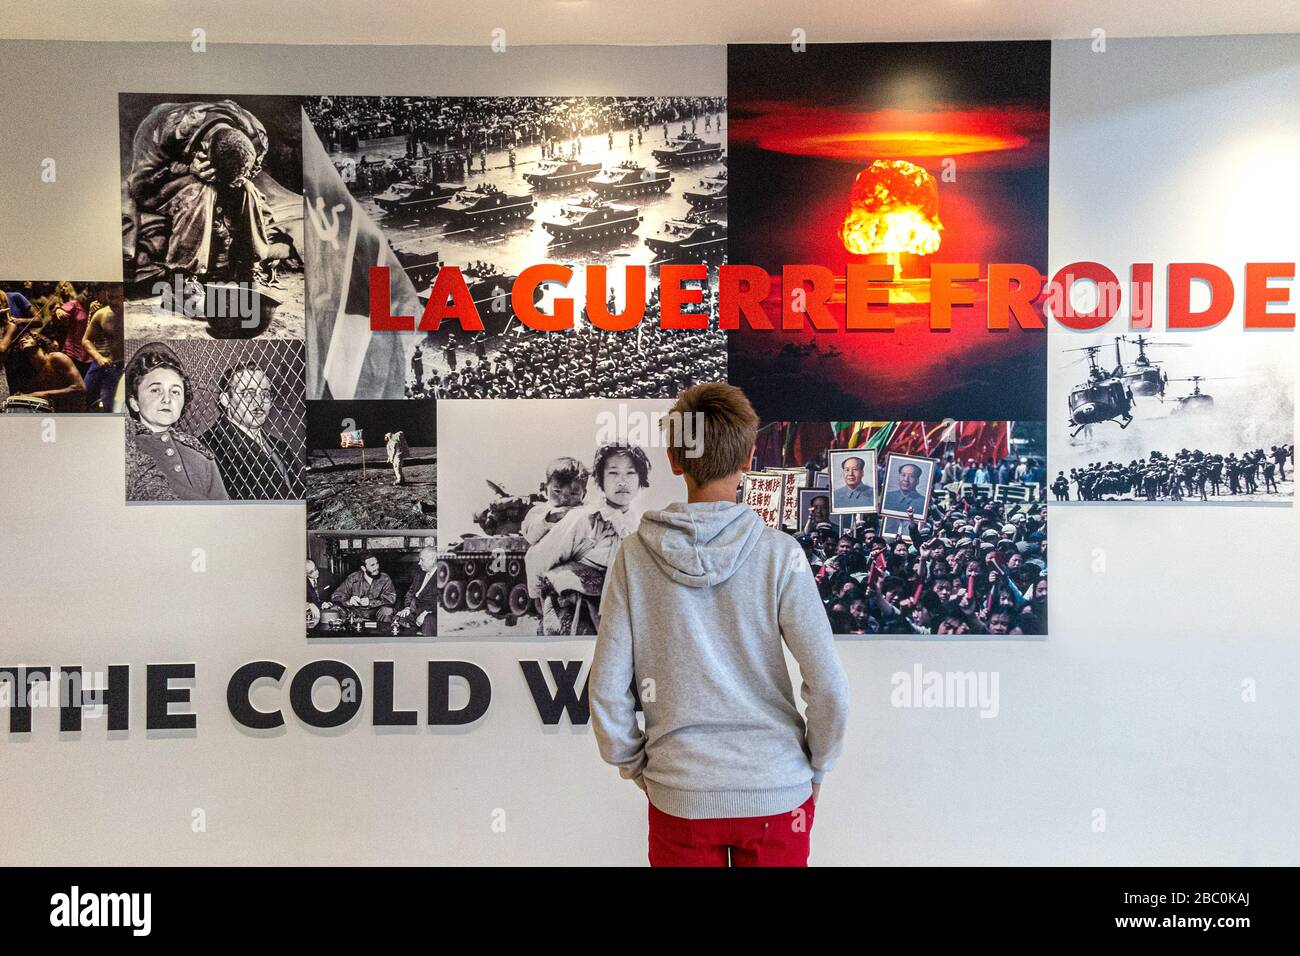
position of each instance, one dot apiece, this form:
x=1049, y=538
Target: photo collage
x=466, y=482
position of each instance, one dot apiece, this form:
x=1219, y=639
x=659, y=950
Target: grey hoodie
x=695, y=607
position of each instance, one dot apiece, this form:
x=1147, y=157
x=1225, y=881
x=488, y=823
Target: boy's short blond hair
x=723, y=427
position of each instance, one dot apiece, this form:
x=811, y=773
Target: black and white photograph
x=61, y=347
x=908, y=482
x=532, y=504
x=853, y=481
x=214, y=421
x=212, y=216
x=493, y=185
x=371, y=584
x=1174, y=418
x=372, y=464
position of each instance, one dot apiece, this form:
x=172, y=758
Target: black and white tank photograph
x=530, y=517
x=493, y=185
x=1172, y=417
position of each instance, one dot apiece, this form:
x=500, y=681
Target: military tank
x=696, y=236
x=415, y=196
x=590, y=219
x=560, y=174
x=486, y=572
x=490, y=289
x=711, y=193
x=420, y=267
x=629, y=178
x=685, y=150
x=486, y=204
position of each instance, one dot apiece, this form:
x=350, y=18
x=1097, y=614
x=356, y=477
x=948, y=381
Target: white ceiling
x=528, y=22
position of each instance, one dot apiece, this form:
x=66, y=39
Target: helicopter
x=1142, y=375
x=1103, y=398
x=1197, y=401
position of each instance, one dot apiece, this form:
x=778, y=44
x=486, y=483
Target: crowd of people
x=61, y=347
x=972, y=566
x=1008, y=471
x=1189, y=474
x=497, y=122
x=584, y=362
x=449, y=139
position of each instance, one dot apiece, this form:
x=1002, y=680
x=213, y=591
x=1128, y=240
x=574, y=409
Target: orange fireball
x=894, y=208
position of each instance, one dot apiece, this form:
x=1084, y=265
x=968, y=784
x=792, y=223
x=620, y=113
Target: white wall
x=1133, y=705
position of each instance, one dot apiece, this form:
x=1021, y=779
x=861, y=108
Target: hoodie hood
x=700, y=544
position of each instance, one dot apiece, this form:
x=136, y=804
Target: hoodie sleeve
x=825, y=691
x=610, y=686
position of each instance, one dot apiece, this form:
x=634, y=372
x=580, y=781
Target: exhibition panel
x=414, y=320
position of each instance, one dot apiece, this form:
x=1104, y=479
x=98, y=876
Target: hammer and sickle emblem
x=327, y=226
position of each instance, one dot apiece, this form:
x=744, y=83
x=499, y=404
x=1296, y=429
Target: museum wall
x=1163, y=703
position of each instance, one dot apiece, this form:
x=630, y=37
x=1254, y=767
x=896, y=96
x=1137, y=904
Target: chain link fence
x=247, y=404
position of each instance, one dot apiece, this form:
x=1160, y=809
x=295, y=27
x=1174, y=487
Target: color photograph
x=61, y=347
x=853, y=482
x=897, y=154
x=970, y=560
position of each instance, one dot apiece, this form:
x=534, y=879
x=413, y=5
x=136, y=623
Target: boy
x=694, y=611
x=566, y=487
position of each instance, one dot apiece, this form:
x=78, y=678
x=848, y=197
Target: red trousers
x=778, y=840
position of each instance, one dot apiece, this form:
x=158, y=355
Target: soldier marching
x=1191, y=474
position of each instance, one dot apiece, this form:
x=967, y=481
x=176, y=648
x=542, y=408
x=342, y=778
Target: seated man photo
x=318, y=588
x=368, y=593
x=421, y=605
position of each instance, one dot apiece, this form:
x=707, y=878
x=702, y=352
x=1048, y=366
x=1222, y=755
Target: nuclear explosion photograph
x=902, y=155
